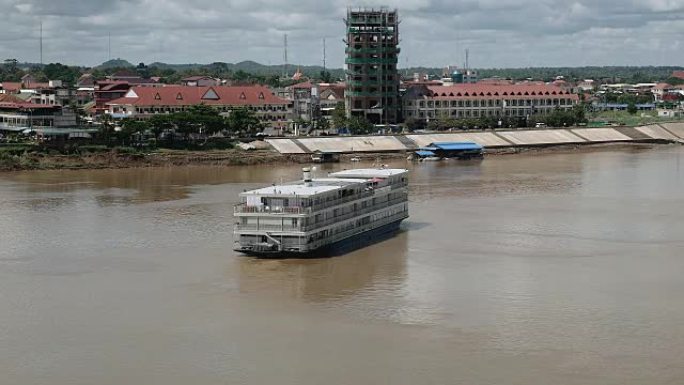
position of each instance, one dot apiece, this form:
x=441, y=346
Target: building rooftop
x=334, y=181
x=184, y=95
x=368, y=173
x=496, y=90
x=303, y=189
x=454, y=146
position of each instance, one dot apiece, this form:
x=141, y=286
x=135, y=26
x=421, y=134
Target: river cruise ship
x=321, y=214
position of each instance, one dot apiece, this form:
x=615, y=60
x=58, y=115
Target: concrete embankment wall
x=673, y=132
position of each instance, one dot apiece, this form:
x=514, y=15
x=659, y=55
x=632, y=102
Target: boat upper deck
x=369, y=173
x=304, y=189
x=340, y=180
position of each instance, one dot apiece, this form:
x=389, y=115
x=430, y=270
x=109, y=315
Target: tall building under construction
x=372, y=54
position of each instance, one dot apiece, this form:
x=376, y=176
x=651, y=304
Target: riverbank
x=115, y=159
x=235, y=157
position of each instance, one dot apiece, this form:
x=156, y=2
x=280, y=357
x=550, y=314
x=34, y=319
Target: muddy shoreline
x=109, y=160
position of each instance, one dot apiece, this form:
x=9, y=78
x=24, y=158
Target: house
x=330, y=95
x=678, y=74
x=17, y=115
x=304, y=100
x=666, y=113
x=131, y=77
x=145, y=102
x=86, y=81
x=106, y=91
x=586, y=85
x=10, y=87
x=200, y=81
x=659, y=90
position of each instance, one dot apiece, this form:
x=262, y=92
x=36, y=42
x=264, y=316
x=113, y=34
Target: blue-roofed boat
x=447, y=150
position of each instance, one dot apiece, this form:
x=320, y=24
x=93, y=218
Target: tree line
x=12, y=71
x=557, y=118
x=251, y=72
x=198, y=122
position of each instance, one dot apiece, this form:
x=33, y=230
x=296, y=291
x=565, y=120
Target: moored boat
x=318, y=214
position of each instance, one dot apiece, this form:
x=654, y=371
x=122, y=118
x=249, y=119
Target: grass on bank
x=624, y=118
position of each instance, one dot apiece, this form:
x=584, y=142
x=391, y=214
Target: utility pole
x=109, y=47
x=467, y=73
x=41, y=43
x=323, y=56
x=285, y=56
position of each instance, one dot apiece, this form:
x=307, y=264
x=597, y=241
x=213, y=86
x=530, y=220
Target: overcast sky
x=499, y=33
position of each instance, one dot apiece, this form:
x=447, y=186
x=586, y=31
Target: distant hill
x=613, y=73
x=251, y=67
x=115, y=63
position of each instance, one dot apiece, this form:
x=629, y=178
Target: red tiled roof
x=13, y=102
x=112, y=86
x=409, y=83
x=495, y=81
x=306, y=84
x=16, y=86
x=336, y=88
x=187, y=96
x=125, y=73
x=662, y=86
x=11, y=86
x=678, y=74
x=36, y=85
x=9, y=98
x=195, y=78
x=498, y=91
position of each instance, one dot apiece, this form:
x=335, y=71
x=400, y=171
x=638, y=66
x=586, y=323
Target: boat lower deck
x=340, y=247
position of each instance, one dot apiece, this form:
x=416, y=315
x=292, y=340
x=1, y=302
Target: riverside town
x=122, y=109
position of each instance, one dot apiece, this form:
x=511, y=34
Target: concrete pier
x=667, y=132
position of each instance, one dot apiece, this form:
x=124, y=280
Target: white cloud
x=499, y=33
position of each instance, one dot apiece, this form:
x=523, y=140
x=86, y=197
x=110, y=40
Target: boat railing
x=243, y=208
x=340, y=201
x=356, y=213
x=355, y=230
x=253, y=227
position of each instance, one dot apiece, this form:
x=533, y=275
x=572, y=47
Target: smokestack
x=307, y=175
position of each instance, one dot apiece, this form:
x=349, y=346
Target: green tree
x=339, y=116
x=359, y=126
x=273, y=81
x=579, y=112
x=326, y=77
x=129, y=127
x=207, y=119
x=243, y=120
x=106, y=130
x=160, y=124
x=323, y=124
x=241, y=76
x=413, y=124
x=632, y=108
x=143, y=71
x=58, y=71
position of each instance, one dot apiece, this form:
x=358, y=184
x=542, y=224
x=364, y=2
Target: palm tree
x=107, y=129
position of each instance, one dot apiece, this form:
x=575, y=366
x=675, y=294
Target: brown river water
x=559, y=268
